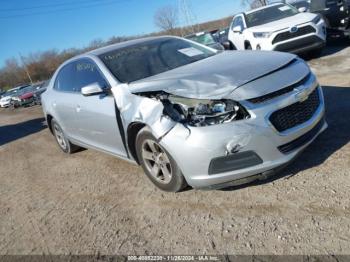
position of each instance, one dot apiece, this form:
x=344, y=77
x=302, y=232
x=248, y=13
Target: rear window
x=153, y=57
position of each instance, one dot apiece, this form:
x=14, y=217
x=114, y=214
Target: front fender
x=135, y=108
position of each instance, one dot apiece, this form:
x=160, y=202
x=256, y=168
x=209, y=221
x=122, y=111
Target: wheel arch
x=132, y=131
x=246, y=44
x=49, y=122
x=232, y=46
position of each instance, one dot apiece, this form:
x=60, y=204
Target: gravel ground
x=90, y=203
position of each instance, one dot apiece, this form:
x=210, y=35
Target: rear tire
x=61, y=139
x=248, y=47
x=157, y=163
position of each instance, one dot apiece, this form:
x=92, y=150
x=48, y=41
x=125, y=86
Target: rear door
x=64, y=99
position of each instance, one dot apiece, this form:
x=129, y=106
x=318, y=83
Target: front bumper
x=194, y=148
x=5, y=104
x=301, y=45
x=297, y=45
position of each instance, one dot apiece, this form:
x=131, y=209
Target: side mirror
x=237, y=29
x=92, y=89
x=302, y=9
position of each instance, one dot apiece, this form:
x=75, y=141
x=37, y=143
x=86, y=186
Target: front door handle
x=78, y=108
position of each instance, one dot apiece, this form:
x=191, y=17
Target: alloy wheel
x=60, y=137
x=156, y=161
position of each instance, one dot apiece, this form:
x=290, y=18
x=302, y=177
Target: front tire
x=232, y=46
x=157, y=163
x=61, y=139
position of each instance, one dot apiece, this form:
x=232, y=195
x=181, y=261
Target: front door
x=237, y=38
x=95, y=122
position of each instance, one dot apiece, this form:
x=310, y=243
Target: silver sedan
x=188, y=114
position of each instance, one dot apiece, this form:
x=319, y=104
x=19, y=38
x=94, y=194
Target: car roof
x=106, y=49
x=261, y=8
x=15, y=88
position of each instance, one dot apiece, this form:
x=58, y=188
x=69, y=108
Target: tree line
x=40, y=66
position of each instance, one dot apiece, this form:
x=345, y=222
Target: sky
x=29, y=26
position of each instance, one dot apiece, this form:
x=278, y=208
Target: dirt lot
x=90, y=202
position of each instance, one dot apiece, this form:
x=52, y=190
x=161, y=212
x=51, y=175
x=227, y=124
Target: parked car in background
x=186, y=113
x=2, y=92
x=278, y=27
x=336, y=13
x=205, y=38
x=24, y=97
x=222, y=37
x=38, y=90
x=5, y=101
x=6, y=98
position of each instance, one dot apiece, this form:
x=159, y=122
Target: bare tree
x=41, y=65
x=96, y=43
x=255, y=3
x=166, y=18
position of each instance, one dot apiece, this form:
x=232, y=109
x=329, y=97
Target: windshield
x=204, y=39
x=150, y=58
x=270, y=14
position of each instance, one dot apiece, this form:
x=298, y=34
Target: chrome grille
x=289, y=35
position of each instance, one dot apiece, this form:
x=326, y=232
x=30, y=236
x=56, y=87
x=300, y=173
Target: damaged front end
x=198, y=112
x=166, y=113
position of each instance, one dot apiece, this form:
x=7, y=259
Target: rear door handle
x=78, y=108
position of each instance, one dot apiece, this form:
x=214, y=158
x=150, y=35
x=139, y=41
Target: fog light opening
x=232, y=148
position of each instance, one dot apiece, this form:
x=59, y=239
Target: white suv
x=278, y=27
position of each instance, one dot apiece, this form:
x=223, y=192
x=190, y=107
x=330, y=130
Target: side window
x=86, y=73
x=65, y=79
x=240, y=22
x=234, y=23
x=237, y=21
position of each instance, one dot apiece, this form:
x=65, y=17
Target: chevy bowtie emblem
x=301, y=95
x=293, y=29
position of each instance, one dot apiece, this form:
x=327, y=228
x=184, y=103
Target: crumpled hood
x=216, y=76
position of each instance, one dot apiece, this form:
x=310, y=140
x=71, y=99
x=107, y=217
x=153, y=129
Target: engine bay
x=199, y=112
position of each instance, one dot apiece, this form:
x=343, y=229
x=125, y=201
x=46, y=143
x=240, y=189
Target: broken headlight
x=198, y=112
